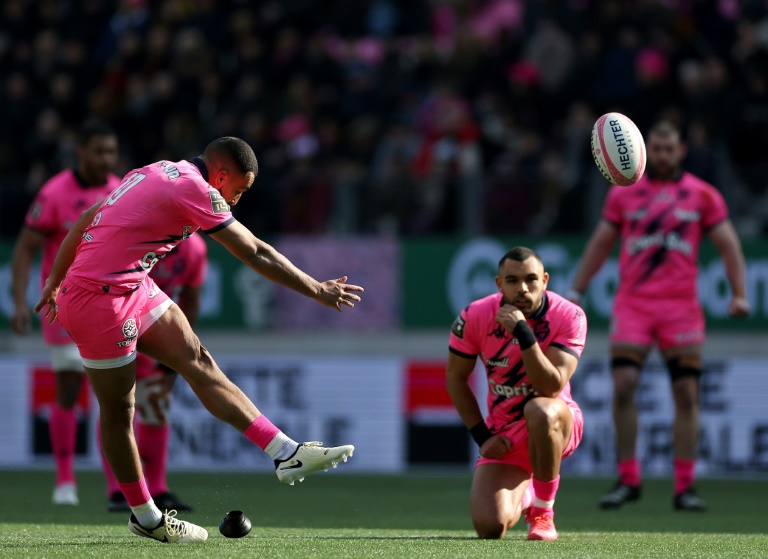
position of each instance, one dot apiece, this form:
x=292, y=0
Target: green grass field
x=360, y=516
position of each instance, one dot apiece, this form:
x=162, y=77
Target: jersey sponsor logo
x=150, y=259
x=458, y=327
x=496, y=362
x=498, y=332
x=218, y=205
x=670, y=241
x=130, y=330
x=541, y=330
x=505, y=391
x=665, y=197
x=687, y=215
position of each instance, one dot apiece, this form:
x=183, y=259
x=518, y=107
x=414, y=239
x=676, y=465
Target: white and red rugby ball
x=618, y=149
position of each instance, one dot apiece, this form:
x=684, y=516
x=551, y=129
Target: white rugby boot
x=310, y=458
x=65, y=494
x=170, y=530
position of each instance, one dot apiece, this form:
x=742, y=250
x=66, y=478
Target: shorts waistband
x=97, y=287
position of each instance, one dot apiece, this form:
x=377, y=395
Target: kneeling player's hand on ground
x=336, y=293
x=739, y=307
x=495, y=447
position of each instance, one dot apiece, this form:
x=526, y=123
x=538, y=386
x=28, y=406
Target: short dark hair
x=237, y=151
x=93, y=127
x=520, y=254
x=664, y=129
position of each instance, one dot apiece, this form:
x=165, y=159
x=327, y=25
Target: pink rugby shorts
x=54, y=334
x=671, y=322
x=518, y=455
x=106, y=327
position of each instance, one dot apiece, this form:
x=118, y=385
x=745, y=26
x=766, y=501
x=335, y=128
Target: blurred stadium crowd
x=401, y=117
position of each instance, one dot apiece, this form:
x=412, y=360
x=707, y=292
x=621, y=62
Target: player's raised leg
x=171, y=341
x=496, y=498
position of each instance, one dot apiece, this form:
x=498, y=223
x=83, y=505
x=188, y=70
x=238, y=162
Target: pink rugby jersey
x=185, y=266
x=153, y=209
x=58, y=206
x=475, y=333
x=662, y=225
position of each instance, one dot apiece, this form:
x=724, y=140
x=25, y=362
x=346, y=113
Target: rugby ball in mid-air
x=618, y=149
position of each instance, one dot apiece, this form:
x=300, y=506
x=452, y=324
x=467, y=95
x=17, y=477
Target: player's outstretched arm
x=595, y=254
x=27, y=246
x=264, y=259
x=63, y=261
x=727, y=243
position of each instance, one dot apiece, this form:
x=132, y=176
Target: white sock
x=148, y=515
x=538, y=503
x=281, y=447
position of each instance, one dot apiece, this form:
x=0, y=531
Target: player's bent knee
x=544, y=410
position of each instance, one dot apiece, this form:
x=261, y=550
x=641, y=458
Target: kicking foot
x=310, y=458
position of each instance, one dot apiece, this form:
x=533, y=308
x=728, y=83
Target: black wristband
x=480, y=433
x=525, y=336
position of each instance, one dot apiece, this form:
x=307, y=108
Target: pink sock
x=629, y=471
x=136, y=492
x=112, y=485
x=62, y=426
x=153, y=449
x=261, y=432
x=544, y=500
x=684, y=474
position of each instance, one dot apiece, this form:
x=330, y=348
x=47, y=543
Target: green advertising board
x=440, y=277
